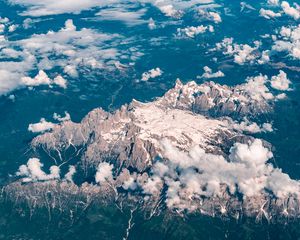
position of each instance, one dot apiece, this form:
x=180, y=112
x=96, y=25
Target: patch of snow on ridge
x=176, y=125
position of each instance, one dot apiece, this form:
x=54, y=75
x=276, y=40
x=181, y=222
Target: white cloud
x=160, y=169
x=12, y=28
x=42, y=79
x=104, y=173
x=192, y=32
x=176, y=8
x=2, y=38
x=48, y=7
x=41, y=126
x=280, y=82
x=171, y=8
x=257, y=89
x=273, y=2
x=251, y=127
x=11, y=72
x=8, y=81
x=285, y=32
x=209, y=74
x=281, y=184
x=197, y=173
x=70, y=174
x=288, y=41
x=153, y=73
x=265, y=57
x=213, y=16
x=151, y=24
x=12, y=97
x=59, y=118
x=268, y=14
x=267, y=127
x=75, y=46
x=130, y=184
x=153, y=185
x=291, y=11
x=32, y=171
x=2, y=28
x=281, y=96
x=71, y=70
x=74, y=50
x=6, y=25
x=129, y=17
x=28, y=23
x=60, y=81
x=242, y=53
x=4, y=20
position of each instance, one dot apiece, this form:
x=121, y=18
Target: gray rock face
x=132, y=135
x=214, y=99
x=63, y=197
x=127, y=134
x=136, y=144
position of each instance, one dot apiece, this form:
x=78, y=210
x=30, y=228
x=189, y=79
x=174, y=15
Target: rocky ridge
x=144, y=152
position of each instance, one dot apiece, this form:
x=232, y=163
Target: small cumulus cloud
x=70, y=174
x=32, y=171
x=104, y=173
x=280, y=82
x=268, y=14
x=43, y=125
x=153, y=73
x=192, y=32
x=251, y=127
x=288, y=41
x=208, y=73
x=208, y=15
x=74, y=50
x=42, y=79
x=243, y=53
x=130, y=17
x=293, y=12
